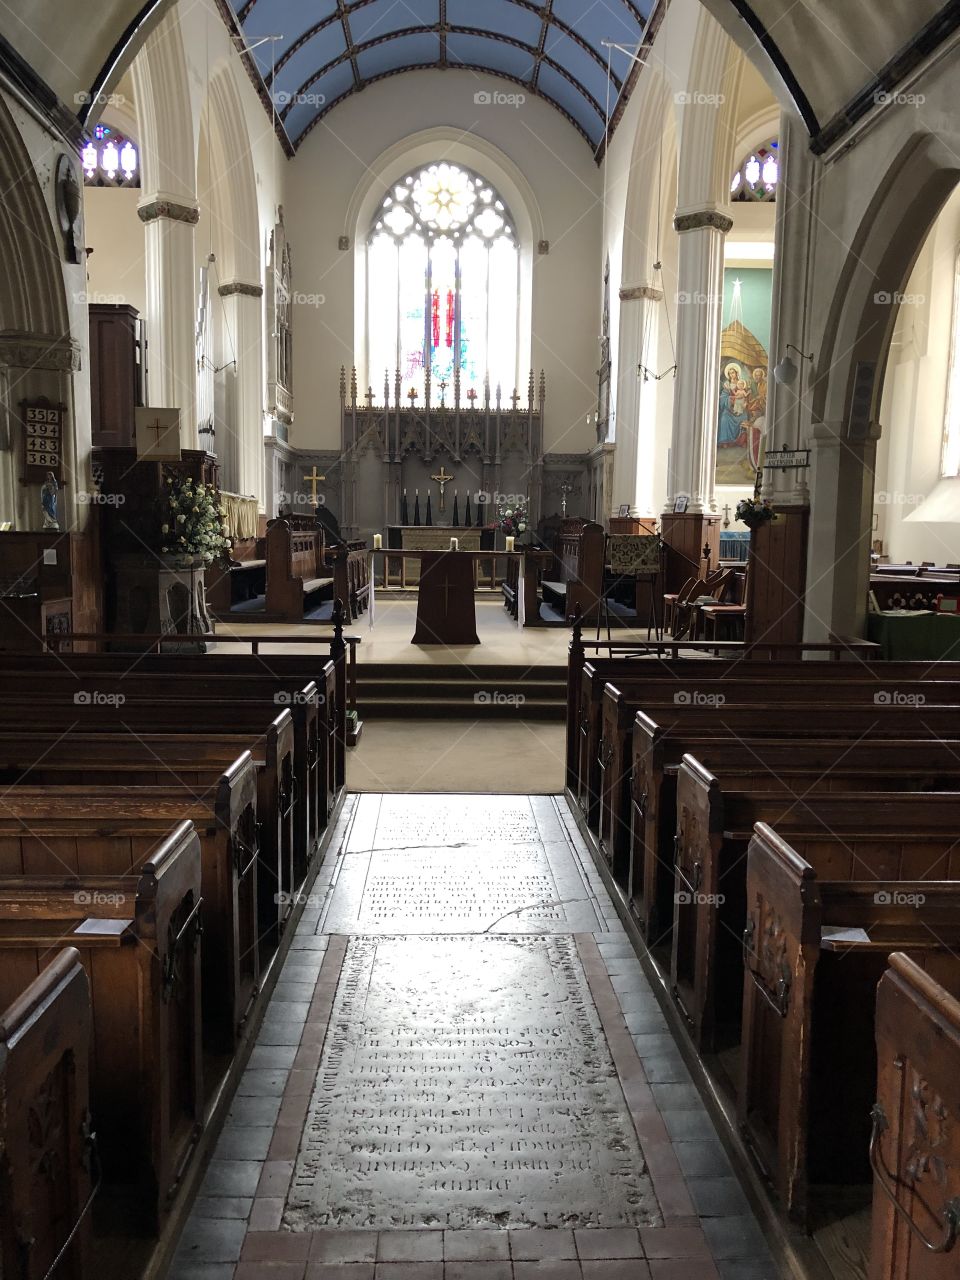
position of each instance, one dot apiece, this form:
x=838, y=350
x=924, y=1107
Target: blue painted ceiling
x=558, y=50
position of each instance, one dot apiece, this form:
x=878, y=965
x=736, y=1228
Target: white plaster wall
x=115, y=270
x=336, y=165
x=913, y=406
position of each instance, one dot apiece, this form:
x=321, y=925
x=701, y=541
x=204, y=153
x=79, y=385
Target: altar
x=404, y=571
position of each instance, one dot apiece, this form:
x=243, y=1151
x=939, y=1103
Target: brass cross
x=313, y=480
x=443, y=386
x=412, y=397
x=442, y=480
x=471, y=396
x=369, y=397
x=516, y=400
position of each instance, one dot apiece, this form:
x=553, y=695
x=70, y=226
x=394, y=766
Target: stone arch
x=849, y=370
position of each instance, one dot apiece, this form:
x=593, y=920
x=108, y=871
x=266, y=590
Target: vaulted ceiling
x=558, y=50
x=830, y=56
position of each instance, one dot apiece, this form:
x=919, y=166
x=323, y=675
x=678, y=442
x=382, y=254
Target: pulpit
x=446, y=611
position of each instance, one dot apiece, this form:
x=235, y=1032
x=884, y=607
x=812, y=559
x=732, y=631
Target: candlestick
x=509, y=541
x=377, y=541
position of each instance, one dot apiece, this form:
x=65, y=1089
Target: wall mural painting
x=742, y=390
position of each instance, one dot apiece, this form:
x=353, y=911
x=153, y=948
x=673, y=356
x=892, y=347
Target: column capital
x=241, y=287
x=161, y=207
x=697, y=219
x=634, y=292
x=20, y=350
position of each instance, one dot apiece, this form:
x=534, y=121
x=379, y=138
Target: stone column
x=797, y=206
x=699, y=307
x=841, y=520
x=634, y=459
x=171, y=309
x=243, y=315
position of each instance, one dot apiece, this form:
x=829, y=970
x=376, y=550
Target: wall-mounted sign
x=42, y=440
x=781, y=459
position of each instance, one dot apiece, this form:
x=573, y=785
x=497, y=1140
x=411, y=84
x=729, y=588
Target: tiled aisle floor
x=463, y=1073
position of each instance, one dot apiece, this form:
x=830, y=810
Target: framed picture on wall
x=680, y=503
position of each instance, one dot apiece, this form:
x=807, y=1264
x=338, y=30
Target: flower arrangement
x=512, y=520
x=755, y=511
x=193, y=521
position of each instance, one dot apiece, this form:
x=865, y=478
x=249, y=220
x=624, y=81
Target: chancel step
x=391, y=690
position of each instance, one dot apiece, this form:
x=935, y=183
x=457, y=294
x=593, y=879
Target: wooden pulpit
x=446, y=610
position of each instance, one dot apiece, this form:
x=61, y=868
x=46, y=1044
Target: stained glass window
x=757, y=177
x=443, y=283
x=110, y=160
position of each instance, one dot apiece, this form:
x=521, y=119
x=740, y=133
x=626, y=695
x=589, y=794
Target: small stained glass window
x=756, y=178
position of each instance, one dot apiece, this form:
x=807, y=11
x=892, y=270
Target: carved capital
x=170, y=210
x=240, y=287
x=633, y=293
x=703, y=218
x=34, y=351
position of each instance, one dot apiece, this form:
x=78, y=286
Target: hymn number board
x=42, y=440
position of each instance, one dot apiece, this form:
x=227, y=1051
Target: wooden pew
x=714, y=828
x=620, y=705
x=915, y=1145
x=237, y=578
x=45, y=1121
x=298, y=578
x=816, y=945
x=98, y=698
x=136, y=935
x=46, y=830
x=575, y=584
x=195, y=763
x=280, y=678
x=646, y=679
x=351, y=576
x=902, y=764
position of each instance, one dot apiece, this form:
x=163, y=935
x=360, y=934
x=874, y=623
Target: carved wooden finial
x=353, y=386
x=343, y=383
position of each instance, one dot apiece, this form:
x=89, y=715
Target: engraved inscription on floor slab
x=466, y=1082
x=432, y=869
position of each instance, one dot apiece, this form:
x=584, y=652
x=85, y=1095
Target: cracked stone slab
x=466, y=1082
x=412, y=867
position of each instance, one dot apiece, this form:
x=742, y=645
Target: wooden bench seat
x=298, y=578
x=147, y=698
x=714, y=826
x=47, y=830
x=914, y=1220
x=648, y=676
x=137, y=936
x=908, y=764
x=817, y=942
x=716, y=696
x=194, y=763
x=45, y=1031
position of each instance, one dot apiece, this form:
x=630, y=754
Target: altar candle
x=509, y=541
x=377, y=541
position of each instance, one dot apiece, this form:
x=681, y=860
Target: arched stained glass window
x=757, y=177
x=443, y=283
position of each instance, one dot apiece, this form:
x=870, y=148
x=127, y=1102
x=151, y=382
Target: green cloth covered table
x=915, y=635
